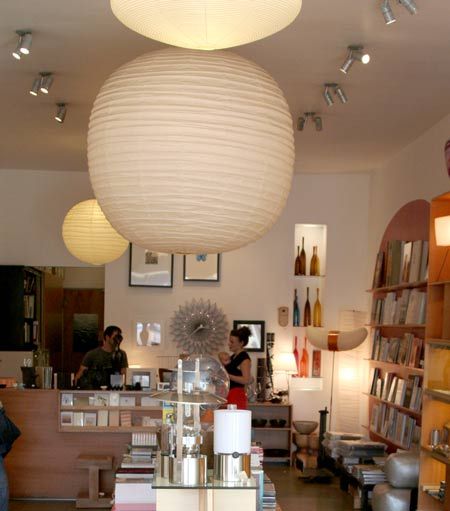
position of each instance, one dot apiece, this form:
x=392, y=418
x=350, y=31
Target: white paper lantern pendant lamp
x=206, y=24
x=89, y=236
x=191, y=152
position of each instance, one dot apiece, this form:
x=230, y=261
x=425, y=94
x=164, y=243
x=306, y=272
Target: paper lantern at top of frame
x=206, y=24
x=190, y=151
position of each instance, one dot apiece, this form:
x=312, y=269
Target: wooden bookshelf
x=410, y=224
x=436, y=402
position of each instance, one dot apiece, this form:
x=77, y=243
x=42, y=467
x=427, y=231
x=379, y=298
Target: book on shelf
x=400, y=392
x=125, y=419
x=388, y=311
x=406, y=261
x=137, y=461
x=114, y=418
x=378, y=274
x=423, y=272
x=416, y=307
x=102, y=418
x=416, y=255
x=394, y=262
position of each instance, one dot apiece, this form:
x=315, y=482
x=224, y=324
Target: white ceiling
x=400, y=94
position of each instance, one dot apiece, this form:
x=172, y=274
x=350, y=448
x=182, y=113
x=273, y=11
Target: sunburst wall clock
x=199, y=327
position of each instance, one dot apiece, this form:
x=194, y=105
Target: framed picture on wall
x=201, y=268
x=257, y=329
x=150, y=269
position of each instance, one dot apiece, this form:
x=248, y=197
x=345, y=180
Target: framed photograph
x=66, y=418
x=66, y=399
x=150, y=269
x=148, y=333
x=201, y=268
x=257, y=328
x=90, y=419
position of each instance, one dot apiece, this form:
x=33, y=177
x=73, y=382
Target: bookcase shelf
x=398, y=287
x=407, y=410
x=282, y=440
x=392, y=446
x=396, y=367
x=434, y=467
x=404, y=326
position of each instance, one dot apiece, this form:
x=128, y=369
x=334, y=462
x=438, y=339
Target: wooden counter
x=42, y=461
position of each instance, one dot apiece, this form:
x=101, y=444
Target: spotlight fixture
x=26, y=39
x=409, y=5
x=327, y=94
x=354, y=53
x=387, y=12
x=337, y=90
x=312, y=115
x=46, y=82
x=23, y=45
x=60, y=112
x=35, y=87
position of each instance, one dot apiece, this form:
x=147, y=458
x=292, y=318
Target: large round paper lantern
x=190, y=151
x=334, y=340
x=89, y=236
x=206, y=24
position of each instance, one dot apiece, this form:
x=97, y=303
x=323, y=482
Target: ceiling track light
x=46, y=82
x=409, y=5
x=387, y=12
x=35, y=87
x=23, y=44
x=354, y=53
x=338, y=91
x=301, y=122
x=327, y=94
x=61, y=111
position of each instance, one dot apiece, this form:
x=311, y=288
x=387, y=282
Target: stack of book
x=331, y=443
x=270, y=495
x=133, y=485
x=360, y=448
x=369, y=474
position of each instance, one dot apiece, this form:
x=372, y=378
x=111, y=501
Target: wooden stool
x=94, y=463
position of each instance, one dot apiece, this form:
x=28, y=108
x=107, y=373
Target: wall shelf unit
x=88, y=411
x=276, y=441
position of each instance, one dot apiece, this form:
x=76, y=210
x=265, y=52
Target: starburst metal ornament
x=199, y=327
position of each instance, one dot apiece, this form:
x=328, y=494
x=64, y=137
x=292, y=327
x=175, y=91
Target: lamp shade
x=191, y=152
x=89, y=236
x=442, y=231
x=284, y=363
x=334, y=340
x=206, y=24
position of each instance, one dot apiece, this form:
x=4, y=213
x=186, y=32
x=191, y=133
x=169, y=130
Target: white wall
x=255, y=280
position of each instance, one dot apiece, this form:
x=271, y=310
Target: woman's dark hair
x=242, y=334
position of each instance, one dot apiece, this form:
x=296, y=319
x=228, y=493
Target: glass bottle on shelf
x=314, y=267
x=317, y=312
x=296, y=313
x=303, y=258
x=297, y=266
x=304, y=362
x=296, y=355
x=307, y=310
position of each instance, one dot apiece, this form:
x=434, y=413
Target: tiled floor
x=293, y=494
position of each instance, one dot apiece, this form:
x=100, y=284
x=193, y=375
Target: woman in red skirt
x=238, y=366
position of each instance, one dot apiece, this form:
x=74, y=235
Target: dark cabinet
x=20, y=307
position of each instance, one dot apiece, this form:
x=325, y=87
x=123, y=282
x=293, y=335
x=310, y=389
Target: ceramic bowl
x=305, y=427
x=259, y=423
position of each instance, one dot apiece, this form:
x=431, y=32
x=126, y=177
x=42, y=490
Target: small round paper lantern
x=89, y=236
x=206, y=24
x=190, y=151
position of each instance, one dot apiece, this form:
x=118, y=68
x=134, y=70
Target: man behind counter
x=100, y=363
